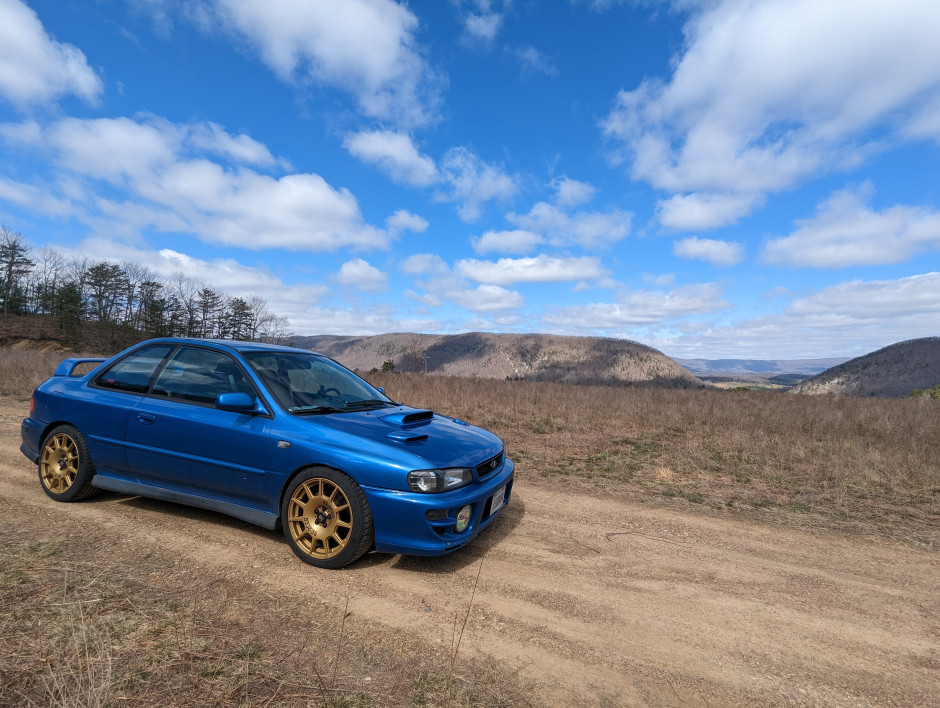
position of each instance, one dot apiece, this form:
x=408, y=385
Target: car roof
x=232, y=344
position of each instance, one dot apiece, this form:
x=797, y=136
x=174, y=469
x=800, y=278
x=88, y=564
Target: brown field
x=661, y=548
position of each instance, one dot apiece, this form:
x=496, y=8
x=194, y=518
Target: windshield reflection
x=304, y=383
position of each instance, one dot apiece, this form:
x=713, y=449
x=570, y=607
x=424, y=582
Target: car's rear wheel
x=326, y=518
x=65, y=467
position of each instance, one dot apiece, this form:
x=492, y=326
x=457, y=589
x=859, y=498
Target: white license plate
x=498, y=500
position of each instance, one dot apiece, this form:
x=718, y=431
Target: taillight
x=32, y=405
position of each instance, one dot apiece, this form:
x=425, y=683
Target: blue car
x=271, y=435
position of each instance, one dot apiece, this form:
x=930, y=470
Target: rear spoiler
x=68, y=365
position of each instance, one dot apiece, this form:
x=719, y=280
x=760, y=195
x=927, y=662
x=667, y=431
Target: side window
x=134, y=373
x=199, y=375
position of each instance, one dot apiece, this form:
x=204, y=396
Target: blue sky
x=714, y=178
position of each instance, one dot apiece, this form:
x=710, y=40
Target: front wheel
x=326, y=518
x=65, y=467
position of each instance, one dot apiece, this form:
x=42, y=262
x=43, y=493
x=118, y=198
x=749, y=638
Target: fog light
x=463, y=519
x=436, y=514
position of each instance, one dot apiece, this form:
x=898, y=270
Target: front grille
x=489, y=466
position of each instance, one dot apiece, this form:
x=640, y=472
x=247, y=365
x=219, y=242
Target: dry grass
x=24, y=369
x=871, y=465
x=87, y=629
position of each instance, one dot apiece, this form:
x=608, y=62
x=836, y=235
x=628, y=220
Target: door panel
x=177, y=439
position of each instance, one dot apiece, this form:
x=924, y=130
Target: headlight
x=432, y=481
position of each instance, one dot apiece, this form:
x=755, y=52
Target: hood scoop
x=410, y=417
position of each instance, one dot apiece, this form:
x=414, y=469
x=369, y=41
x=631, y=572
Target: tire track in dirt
x=597, y=600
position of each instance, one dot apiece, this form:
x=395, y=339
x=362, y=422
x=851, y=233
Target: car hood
x=441, y=441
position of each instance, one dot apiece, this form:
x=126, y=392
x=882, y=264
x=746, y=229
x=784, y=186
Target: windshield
x=308, y=383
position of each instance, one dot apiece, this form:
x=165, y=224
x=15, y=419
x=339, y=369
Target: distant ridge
x=891, y=372
x=760, y=366
x=533, y=357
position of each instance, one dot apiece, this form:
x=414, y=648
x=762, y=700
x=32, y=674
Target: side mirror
x=380, y=390
x=236, y=403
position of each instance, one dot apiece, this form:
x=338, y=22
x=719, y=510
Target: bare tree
x=415, y=355
x=15, y=265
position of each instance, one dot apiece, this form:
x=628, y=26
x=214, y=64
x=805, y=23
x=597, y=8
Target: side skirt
x=253, y=516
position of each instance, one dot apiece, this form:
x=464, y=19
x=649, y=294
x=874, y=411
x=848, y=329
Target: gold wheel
x=320, y=518
x=59, y=463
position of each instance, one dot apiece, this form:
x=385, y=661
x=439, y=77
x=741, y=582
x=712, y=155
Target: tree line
x=107, y=305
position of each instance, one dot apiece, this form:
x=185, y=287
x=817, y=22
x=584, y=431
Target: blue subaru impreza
x=272, y=435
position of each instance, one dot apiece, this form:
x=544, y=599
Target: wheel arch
x=297, y=472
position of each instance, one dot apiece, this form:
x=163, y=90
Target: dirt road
x=597, y=601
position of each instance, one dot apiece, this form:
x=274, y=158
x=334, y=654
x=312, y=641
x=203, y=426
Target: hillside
x=533, y=357
x=891, y=372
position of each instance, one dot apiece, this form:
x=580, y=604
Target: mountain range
x=893, y=371
x=533, y=357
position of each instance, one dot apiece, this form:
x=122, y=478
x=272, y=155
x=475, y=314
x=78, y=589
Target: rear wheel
x=65, y=467
x=326, y=518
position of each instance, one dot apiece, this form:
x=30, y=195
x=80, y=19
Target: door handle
x=145, y=418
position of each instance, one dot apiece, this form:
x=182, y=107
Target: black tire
x=65, y=467
x=326, y=518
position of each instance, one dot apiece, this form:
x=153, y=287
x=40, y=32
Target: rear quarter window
x=134, y=372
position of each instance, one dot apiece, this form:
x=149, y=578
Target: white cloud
x=361, y=275
x=702, y=211
x=425, y=264
x=590, y=229
x=443, y=284
x=925, y=122
x=483, y=27
x=766, y=94
x=395, y=154
x=846, y=232
x=168, y=184
x=540, y=269
x=366, y=47
x=533, y=60
x=473, y=182
x=34, y=68
x=404, y=220
x=719, y=253
x=847, y=319
x=243, y=149
x=33, y=197
x=571, y=193
x=874, y=300
x=487, y=298
x=640, y=307
x=26, y=133
x=516, y=242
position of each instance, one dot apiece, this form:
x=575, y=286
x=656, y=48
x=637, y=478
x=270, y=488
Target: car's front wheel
x=326, y=518
x=65, y=467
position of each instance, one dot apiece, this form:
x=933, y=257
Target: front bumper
x=401, y=523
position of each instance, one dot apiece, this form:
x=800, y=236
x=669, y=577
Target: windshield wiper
x=368, y=403
x=315, y=409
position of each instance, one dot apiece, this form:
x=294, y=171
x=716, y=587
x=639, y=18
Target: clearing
x=581, y=599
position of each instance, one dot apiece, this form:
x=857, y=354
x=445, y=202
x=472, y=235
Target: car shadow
x=502, y=527
x=181, y=511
